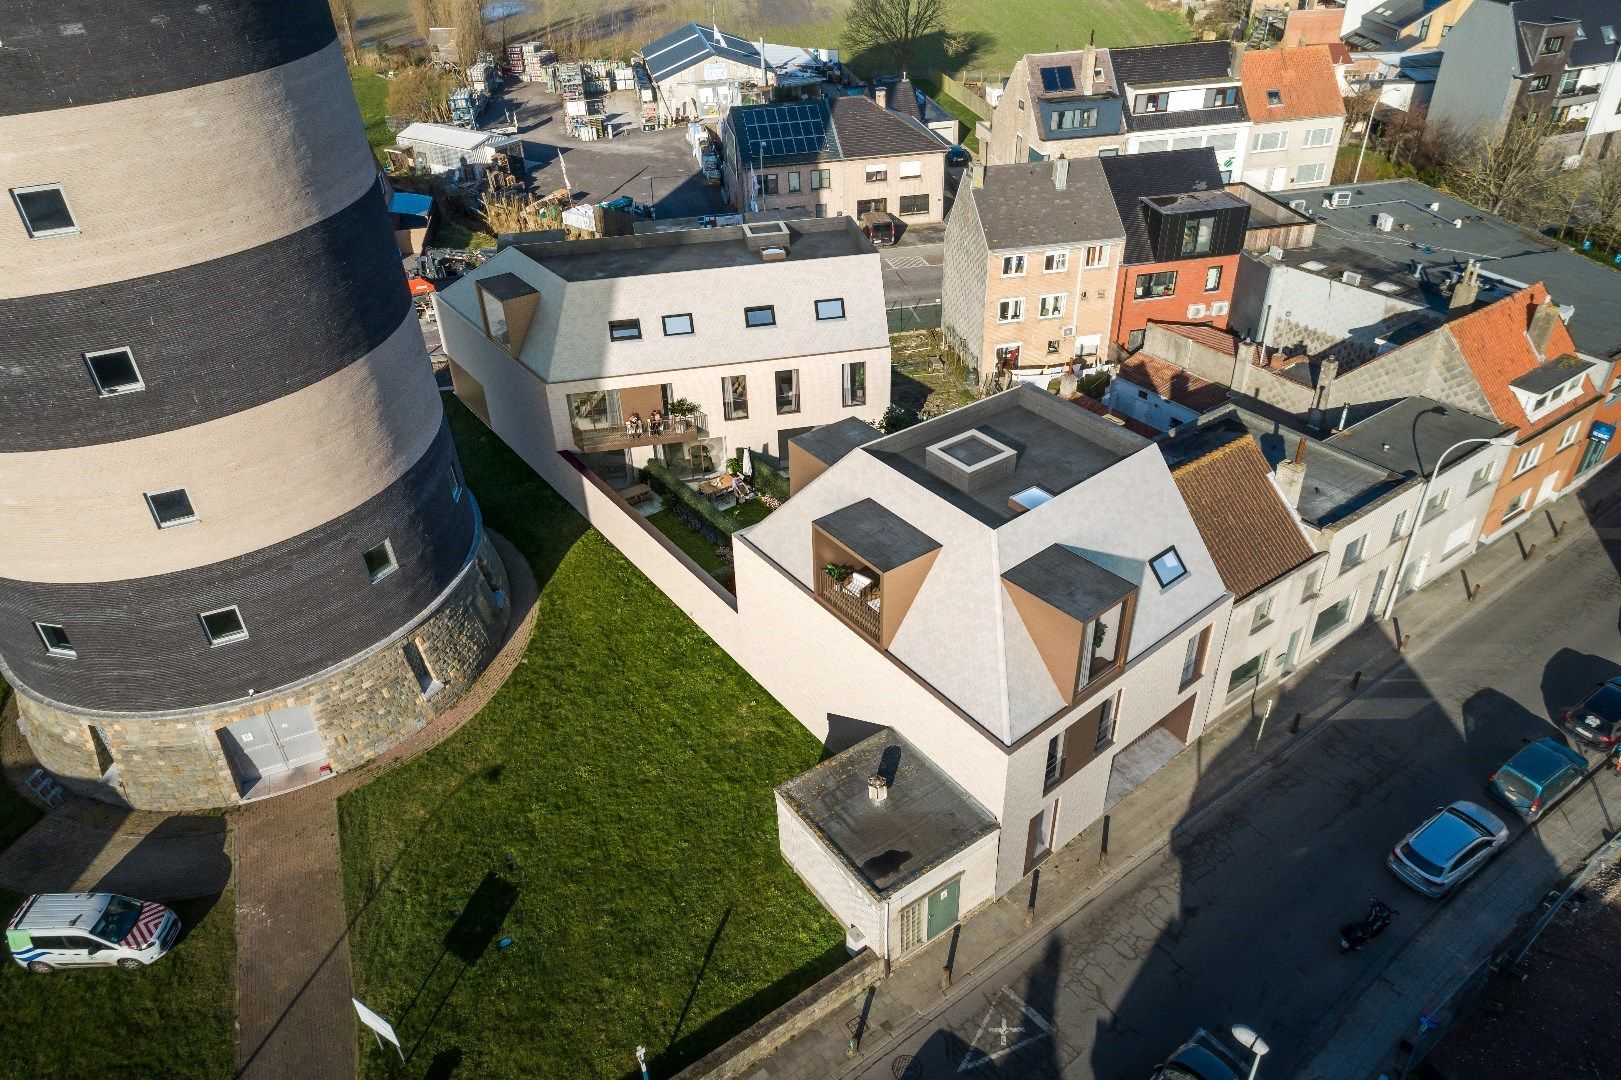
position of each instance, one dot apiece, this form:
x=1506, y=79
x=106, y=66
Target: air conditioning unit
x=1338, y=198
x=1297, y=204
x=1275, y=252
x=1351, y=278
x=1195, y=311
x=1069, y=331
x=1384, y=222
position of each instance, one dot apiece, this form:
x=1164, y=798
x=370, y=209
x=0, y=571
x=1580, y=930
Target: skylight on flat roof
x=1031, y=497
x=1387, y=287
x=1313, y=265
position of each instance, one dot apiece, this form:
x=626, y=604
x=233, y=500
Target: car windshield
x=1516, y=789
x=1605, y=704
x=1424, y=865
x=118, y=920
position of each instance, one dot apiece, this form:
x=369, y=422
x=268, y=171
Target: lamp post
x=1423, y=501
x=1367, y=129
x=1252, y=1042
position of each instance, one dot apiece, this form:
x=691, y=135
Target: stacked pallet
x=533, y=62
x=571, y=82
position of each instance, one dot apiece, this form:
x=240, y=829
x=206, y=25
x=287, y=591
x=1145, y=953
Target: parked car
x=1537, y=777
x=1594, y=719
x=958, y=156
x=1203, y=1057
x=59, y=930
x=1442, y=853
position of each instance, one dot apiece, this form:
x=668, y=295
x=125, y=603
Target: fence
x=965, y=96
x=903, y=317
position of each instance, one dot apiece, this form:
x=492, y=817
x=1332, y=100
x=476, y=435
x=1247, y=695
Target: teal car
x=1537, y=777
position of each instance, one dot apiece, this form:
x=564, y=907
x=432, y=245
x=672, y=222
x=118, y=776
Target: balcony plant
x=838, y=572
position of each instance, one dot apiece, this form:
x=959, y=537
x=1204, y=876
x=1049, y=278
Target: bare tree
x=343, y=17
x=420, y=93
x=1598, y=210
x=422, y=17
x=1518, y=176
x=467, y=16
x=895, y=27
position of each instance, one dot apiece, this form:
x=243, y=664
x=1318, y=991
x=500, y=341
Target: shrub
x=768, y=481
x=896, y=419
x=698, y=512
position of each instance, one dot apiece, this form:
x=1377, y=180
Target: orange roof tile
x=1096, y=407
x=1303, y=78
x=1172, y=383
x=1495, y=344
x=1251, y=535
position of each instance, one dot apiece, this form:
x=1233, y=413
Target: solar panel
x=785, y=130
x=1057, y=78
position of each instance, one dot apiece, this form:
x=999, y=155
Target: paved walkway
x=293, y=975
x=1142, y=825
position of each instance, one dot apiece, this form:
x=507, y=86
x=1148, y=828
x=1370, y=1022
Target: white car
x=1442, y=853
x=63, y=930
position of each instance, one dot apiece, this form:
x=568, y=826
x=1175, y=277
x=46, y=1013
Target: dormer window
x=1553, y=44
x=1077, y=613
x=507, y=304
x=868, y=564
x=1274, y=98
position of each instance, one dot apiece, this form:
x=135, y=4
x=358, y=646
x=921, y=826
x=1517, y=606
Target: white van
x=64, y=930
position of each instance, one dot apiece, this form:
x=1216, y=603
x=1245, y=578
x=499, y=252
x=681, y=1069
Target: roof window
x=1274, y=97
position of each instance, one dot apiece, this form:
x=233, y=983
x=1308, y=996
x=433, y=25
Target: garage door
x=276, y=742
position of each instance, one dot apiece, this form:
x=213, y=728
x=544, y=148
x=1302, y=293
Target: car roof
x=61, y=911
x=1447, y=834
x=1606, y=700
x=1200, y=1061
x=1543, y=760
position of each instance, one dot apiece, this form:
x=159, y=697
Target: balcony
x=856, y=598
x=608, y=420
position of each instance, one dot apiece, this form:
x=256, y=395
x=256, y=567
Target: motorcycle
x=1355, y=935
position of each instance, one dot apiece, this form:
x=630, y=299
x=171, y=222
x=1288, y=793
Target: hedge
x=712, y=523
x=769, y=481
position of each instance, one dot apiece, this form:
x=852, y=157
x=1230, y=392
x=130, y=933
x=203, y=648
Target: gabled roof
x=840, y=128
x=1133, y=177
x=1020, y=206
x=1172, y=383
x=693, y=44
x=1495, y=343
x=1180, y=62
x=1074, y=63
x=1593, y=15
x=1211, y=337
x=1097, y=408
x=1303, y=80
x=1070, y=582
x=867, y=129
x=1250, y=533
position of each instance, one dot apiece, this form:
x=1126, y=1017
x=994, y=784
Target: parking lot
x=652, y=167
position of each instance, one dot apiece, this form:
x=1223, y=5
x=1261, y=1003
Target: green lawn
x=1375, y=166
x=371, y=94
x=617, y=793
x=694, y=544
x=175, y=1019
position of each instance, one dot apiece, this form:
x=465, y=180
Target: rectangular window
x=909, y=170
x=877, y=174
x=1246, y=672
x=734, y=392
x=56, y=640
x=1553, y=44
x=1398, y=529
x=1266, y=141
x=1310, y=588
x=1353, y=553
x=1150, y=286
x=224, y=626
x=787, y=392
x=765, y=184
x=1537, y=84
x=1074, y=119
x=1105, y=724
x=1055, y=262
x=1096, y=255
x=1013, y=266
x=793, y=181
x=1319, y=137
x=1528, y=460
x=380, y=561
x=1055, y=763
x=1482, y=477
x=820, y=179
x=1437, y=505
x=1152, y=103
x=427, y=682
x=854, y=379
x=625, y=330
x=1223, y=97
x=1570, y=435
x=1167, y=567
x=1332, y=618
x=1196, y=235
x=677, y=325
x=760, y=316
x=1052, y=306
x=1010, y=310
x=829, y=309
x=171, y=508
x=1193, y=659
x=44, y=210
x=1212, y=279
x=1516, y=505
x=1310, y=174
x=912, y=205
x=1263, y=615
x=114, y=372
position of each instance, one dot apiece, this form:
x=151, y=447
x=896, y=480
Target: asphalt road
x=912, y=272
x=1236, y=921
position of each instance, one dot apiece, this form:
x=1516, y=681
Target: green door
x=943, y=906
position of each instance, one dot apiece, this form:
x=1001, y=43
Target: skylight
x=1274, y=97
x=1057, y=78
x=1608, y=33
x=1313, y=265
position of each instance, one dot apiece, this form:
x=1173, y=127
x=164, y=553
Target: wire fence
x=903, y=317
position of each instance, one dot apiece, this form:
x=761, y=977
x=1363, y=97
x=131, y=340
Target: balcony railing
x=862, y=611
x=676, y=429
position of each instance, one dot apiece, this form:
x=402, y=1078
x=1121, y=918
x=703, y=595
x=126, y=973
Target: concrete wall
x=1289, y=308
x=963, y=290
x=1475, y=90
x=1280, y=170
x=681, y=93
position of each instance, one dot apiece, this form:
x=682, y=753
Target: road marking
x=909, y=262
x=1009, y=1016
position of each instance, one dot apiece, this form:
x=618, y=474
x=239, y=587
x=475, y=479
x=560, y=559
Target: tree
x=1598, y=210
x=420, y=93
x=1518, y=176
x=894, y=27
x=898, y=419
x=343, y=17
x=422, y=17
x=467, y=17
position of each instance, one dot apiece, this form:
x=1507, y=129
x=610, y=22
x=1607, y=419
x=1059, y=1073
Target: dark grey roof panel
x=829, y=443
x=1410, y=436
x=1070, y=582
x=1021, y=207
x=881, y=537
x=924, y=819
x=784, y=133
x=506, y=286
x=1183, y=62
x=1549, y=374
x=606, y=257
x=866, y=129
x=1169, y=172
x=680, y=49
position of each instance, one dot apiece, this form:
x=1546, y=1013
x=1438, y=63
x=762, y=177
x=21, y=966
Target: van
x=65, y=930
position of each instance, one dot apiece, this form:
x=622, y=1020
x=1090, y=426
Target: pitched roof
x=1302, y=78
x=1097, y=408
x=1075, y=64
x=692, y=44
x=1180, y=62
x=1494, y=342
x=1250, y=533
x=826, y=129
x=1019, y=206
x=1211, y=337
x=867, y=129
x=1594, y=15
x=1169, y=172
x=1172, y=383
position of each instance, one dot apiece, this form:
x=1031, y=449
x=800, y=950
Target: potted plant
x=683, y=411
x=838, y=572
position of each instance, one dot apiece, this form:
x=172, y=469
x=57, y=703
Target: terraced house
x=236, y=554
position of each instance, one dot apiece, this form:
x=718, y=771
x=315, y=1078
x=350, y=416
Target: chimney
x=877, y=788
x=1089, y=64
x=1060, y=173
x=1467, y=288
x=1542, y=323
x=978, y=175
x=1291, y=475
x=1327, y=369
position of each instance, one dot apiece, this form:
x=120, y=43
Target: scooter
x=1355, y=935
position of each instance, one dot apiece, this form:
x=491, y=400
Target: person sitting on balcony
x=655, y=423
x=633, y=426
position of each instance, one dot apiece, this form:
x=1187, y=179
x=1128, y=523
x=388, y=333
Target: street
x=1235, y=921
x=912, y=271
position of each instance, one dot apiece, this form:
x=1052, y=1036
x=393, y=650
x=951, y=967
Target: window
x=1167, y=567
x=223, y=626
x=734, y=392
x=1212, y=279
x=1055, y=763
x=380, y=561
x=765, y=315
x=427, y=682
x=829, y=309
x=1152, y=103
x=793, y=181
x=1193, y=659
x=1012, y=265
x=1332, y=618
x=44, y=210
x=1399, y=528
x=1482, y=477
x=56, y=640
x=171, y=508
x=1074, y=119
x=1055, y=262
x=114, y=372
x=457, y=481
x=1537, y=84
x=677, y=325
x=787, y=392
x=1270, y=140
x=1196, y=235
x=1096, y=255
x=914, y=204
x=1310, y=588
x=854, y=379
x=909, y=170
x=1105, y=724
x=1274, y=98
x=1150, y=286
x=1553, y=44
x=1437, y=505
x=1010, y=310
x=765, y=184
x=1528, y=460
x=1568, y=81
x=820, y=179
x=1570, y=435
x=1318, y=137
x=1353, y=553
x=1052, y=306
x=1608, y=34
x=1134, y=340
x=625, y=330
x=1310, y=174
x=1516, y=505
x=1246, y=672
x=1223, y=97
x=877, y=174
x=1263, y=615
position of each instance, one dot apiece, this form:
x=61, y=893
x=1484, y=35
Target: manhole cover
x=906, y=1067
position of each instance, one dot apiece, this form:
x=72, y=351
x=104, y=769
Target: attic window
x=1057, y=78
x=1274, y=97
x=1608, y=34
x=1168, y=567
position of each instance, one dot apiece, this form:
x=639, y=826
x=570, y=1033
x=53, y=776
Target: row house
x=684, y=347
x=1559, y=58
x=1107, y=102
x=827, y=157
x=1297, y=117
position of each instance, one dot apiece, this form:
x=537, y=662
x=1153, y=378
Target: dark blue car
x=1537, y=777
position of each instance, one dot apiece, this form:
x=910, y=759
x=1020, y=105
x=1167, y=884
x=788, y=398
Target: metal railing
x=677, y=429
x=856, y=610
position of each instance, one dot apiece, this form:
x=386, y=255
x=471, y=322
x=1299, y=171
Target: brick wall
x=1132, y=314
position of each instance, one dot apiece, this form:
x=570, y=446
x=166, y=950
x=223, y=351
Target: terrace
x=608, y=420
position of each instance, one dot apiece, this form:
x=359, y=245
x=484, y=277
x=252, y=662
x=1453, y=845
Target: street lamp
x=1367, y=129
x=1423, y=501
x=1252, y=1042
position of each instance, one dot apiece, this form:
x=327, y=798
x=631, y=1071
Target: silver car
x=1441, y=853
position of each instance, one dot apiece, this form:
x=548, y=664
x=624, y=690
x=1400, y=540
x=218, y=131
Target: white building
x=699, y=72
x=458, y=152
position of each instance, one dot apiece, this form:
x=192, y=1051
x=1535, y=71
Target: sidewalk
x=1145, y=821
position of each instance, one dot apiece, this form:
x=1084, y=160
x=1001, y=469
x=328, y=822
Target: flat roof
x=1410, y=436
x=1549, y=374
x=1070, y=582
x=831, y=442
x=881, y=537
x=608, y=257
x=925, y=817
x=506, y=286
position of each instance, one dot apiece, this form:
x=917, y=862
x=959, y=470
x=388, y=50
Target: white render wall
x=1279, y=170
